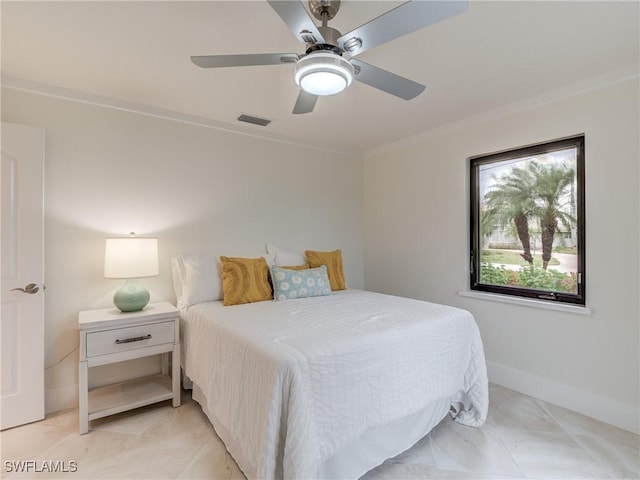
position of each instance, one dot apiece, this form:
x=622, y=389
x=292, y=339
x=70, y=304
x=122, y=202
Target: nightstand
x=109, y=336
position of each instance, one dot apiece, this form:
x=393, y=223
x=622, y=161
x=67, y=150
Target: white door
x=22, y=275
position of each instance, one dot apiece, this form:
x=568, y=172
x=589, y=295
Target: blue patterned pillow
x=290, y=284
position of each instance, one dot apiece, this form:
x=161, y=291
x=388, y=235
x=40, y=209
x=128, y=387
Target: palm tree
x=554, y=186
x=511, y=200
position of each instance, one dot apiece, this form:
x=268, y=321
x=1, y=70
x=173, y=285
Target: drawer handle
x=133, y=339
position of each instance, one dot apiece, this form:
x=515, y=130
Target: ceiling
x=494, y=54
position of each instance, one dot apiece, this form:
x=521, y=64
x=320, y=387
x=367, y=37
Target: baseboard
x=607, y=410
x=60, y=398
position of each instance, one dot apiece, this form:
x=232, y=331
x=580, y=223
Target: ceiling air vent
x=263, y=122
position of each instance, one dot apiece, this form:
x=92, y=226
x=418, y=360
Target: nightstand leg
x=83, y=394
x=165, y=363
x=175, y=374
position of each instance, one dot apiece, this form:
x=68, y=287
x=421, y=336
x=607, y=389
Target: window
x=527, y=221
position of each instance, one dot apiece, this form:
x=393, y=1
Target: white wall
x=416, y=244
x=109, y=172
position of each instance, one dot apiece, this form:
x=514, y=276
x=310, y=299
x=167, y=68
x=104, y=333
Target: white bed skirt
x=361, y=455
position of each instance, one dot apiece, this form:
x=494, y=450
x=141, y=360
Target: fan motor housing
x=324, y=8
x=324, y=47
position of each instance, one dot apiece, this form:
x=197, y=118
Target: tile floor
x=523, y=438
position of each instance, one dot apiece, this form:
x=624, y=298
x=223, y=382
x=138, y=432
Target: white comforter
x=295, y=381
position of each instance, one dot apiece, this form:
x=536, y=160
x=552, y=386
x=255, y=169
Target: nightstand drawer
x=130, y=338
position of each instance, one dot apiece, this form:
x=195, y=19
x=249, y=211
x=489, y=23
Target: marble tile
x=510, y=409
x=23, y=443
x=523, y=438
x=420, y=454
x=188, y=420
x=471, y=450
x=578, y=424
x=149, y=457
x=624, y=445
x=552, y=455
x=64, y=418
x=89, y=452
x=624, y=463
x=212, y=461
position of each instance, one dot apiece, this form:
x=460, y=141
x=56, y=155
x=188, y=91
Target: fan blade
x=386, y=81
x=298, y=20
x=246, y=60
x=402, y=20
x=305, y=102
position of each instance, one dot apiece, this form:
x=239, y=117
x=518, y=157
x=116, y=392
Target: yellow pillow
x=333, y=261
x=245, y=280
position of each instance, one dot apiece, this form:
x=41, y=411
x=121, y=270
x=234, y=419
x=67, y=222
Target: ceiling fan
x=328, y=65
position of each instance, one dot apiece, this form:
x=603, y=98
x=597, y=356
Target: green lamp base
x=131, y=297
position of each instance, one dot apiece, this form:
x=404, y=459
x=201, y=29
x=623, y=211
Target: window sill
x=527, y=302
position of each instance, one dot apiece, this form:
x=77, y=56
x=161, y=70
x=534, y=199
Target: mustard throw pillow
x=245, y=280
x=333, y=261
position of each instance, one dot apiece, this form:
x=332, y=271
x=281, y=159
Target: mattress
x=329, y=387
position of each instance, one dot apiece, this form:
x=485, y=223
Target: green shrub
x=494, y=275
x=529, y=277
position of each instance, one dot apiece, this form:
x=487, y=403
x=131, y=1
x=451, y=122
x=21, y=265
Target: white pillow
x=282, y=258
x=201, y=280
x=177, y=273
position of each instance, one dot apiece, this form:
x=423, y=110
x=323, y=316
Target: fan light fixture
x=323, y=73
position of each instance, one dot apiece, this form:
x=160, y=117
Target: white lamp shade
x=131, y=257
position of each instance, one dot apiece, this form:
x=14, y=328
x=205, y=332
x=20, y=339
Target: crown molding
x=574, y=89
x=19, y=84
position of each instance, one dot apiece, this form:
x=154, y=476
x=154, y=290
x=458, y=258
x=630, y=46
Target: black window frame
x=575, y=141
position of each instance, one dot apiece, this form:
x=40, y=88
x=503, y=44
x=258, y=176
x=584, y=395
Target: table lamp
x=131, y=258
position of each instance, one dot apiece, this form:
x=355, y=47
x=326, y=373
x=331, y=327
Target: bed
x=327, y=386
